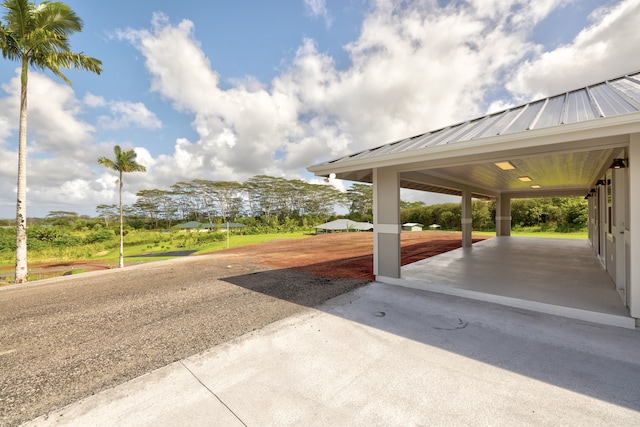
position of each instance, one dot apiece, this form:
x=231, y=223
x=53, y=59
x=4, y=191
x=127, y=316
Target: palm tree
x=125, y=161
x=37, y=35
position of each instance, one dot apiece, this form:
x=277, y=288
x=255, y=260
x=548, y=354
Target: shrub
x=67, y=241
x=99, y=236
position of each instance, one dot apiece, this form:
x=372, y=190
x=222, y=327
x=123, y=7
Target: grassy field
x=551, y=234
x=201, y=248
x=153, y=245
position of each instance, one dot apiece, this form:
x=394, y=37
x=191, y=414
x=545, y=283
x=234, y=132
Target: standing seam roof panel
x=579, y=107
x=526, y=118
x=429, y=139
x=442, y=136
x=459, y=133
x=611, y=98
x=483, y=124
x=629, y=87
x=500, y=124
x=474, y=127
x=611, y=103
x=410, y=143
x=552, y=113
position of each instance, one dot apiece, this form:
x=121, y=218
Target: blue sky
x=225, y=90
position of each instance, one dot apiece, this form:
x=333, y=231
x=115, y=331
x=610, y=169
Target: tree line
x=560, y=214
x=265, y=202
x=261, y=200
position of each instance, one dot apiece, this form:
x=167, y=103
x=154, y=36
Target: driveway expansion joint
x=212, y=392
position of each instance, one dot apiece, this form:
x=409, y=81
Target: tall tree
x=107, y=212
x=155, y=205
x=124, y=162
x=360, y=199
x=37, y=35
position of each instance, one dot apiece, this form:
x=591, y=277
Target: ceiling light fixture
x=535, y=186
x=505, y=166
x=524, y=178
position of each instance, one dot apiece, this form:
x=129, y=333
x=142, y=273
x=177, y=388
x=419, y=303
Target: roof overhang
x=562, y=160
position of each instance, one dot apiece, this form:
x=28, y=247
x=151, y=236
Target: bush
x=7, y=244
x=67, y=241
x=43, y=234
x=100, y=236
x=211, y=237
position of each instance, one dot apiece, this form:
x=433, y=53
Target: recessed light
x=505, y=166
x=524, y=178
x=535, y=186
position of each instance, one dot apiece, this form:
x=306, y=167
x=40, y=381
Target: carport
x=585, y=142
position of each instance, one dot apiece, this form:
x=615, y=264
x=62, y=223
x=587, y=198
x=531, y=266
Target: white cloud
x=123, y=114
x=54, y=124
x=404, y=59
x=605, y=49
x=319, y=8
x=129, y=114
x=94, y=101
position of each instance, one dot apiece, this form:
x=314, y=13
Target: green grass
x=144, y=243
x=200, y=248
x=551, y=234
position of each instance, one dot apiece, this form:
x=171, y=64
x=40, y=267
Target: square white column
x=467, y=219
x=633, y=283
x=503, y=215
x=386, y=223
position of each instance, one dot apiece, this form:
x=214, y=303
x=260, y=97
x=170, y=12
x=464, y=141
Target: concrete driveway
x=386, y=355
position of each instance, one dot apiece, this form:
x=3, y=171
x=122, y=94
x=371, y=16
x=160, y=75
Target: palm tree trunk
x=22, y=271
x=121, y=263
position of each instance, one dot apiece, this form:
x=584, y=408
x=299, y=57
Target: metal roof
x=610, y=98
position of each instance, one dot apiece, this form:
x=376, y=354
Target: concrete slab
x=388, y=355
x=562, y=277
x=169, y=396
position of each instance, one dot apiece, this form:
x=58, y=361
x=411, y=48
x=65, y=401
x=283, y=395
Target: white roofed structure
x=584, y=142
x=345, y=225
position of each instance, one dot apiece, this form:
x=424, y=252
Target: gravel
x=67, y=338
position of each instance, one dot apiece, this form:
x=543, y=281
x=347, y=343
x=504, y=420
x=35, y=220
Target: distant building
x=199, y=226
x=412, y=226
x=343, y=225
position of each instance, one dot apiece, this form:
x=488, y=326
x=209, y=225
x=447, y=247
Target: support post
x=503, y=215
x=633, y=164
x=386, y=223
x=467, y=219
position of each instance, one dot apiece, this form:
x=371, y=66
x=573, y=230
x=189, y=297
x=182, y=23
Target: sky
x=224, y=91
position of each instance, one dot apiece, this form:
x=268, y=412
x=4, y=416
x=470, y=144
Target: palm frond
x=40, y=33
x=124, y=161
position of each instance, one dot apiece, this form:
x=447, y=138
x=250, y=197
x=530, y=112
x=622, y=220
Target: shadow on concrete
x=590, y=359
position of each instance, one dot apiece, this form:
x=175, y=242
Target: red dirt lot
x=334, y=255
x=346, y=255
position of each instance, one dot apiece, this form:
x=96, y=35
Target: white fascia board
x=536, y=138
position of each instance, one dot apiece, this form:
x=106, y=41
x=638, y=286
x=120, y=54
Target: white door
x=620, y=184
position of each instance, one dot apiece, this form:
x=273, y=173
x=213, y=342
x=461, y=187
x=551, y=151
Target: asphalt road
x=67, y=338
